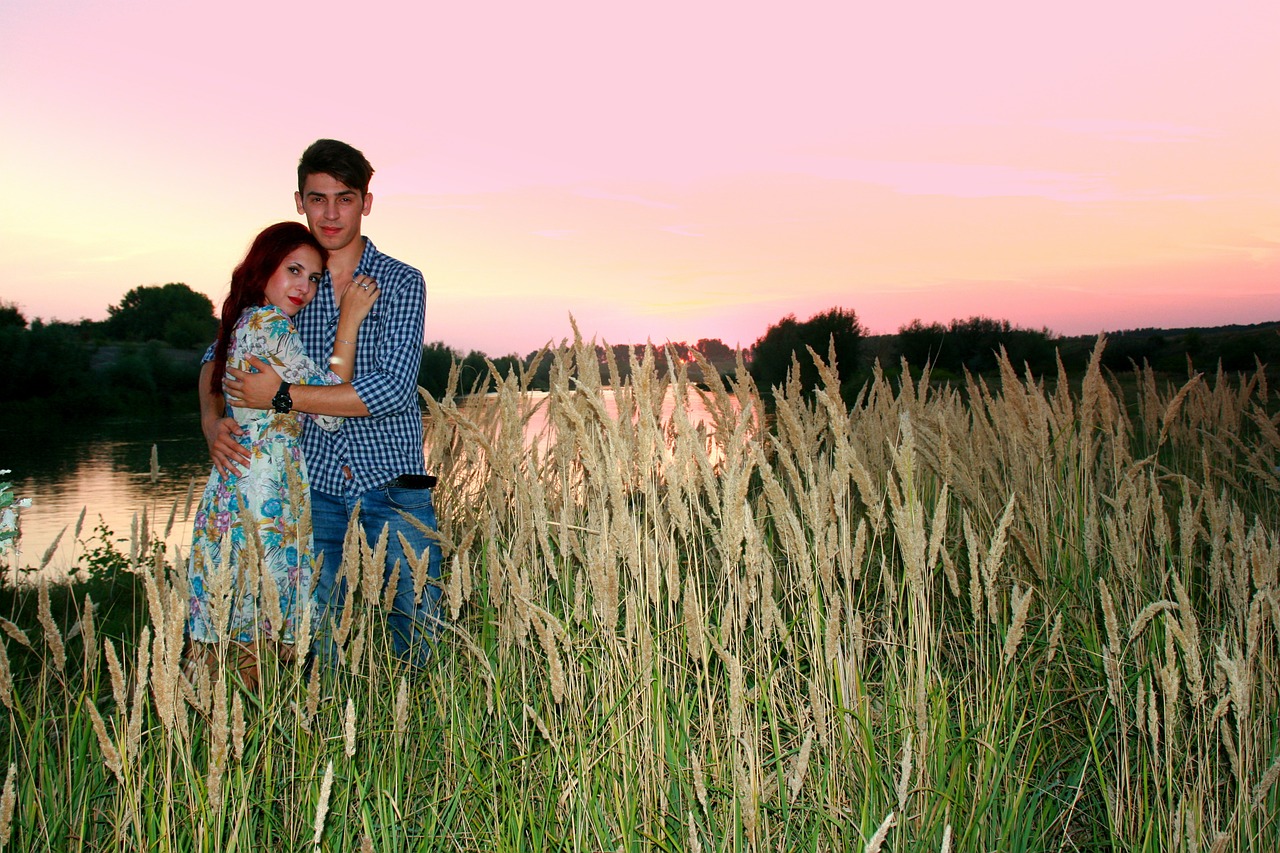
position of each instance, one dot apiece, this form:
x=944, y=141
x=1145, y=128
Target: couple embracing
x=309, y=404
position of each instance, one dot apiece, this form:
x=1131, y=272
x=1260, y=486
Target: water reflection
x=102, y=468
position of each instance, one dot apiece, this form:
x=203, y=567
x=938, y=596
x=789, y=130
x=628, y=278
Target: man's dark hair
x=331, y=157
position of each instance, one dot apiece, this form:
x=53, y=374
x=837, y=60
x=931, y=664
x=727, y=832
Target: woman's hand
x=357, y=300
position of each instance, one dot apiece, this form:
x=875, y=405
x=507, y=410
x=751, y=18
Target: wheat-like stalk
x=110, y=755
x=220, y=731
x=401, y=716
x=1021, y=603
x=8, y=800
x=52, y=636
x=322, y=806
x=349, y=729
x=6, y=679
x=875, y=842
x=904, y=774
x=15, y=633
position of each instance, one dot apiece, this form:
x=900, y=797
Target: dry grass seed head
x=904, y=774
x=938, y=528
x=392, y=585
x=1055, y=637
x=801, y=766
x=1021, y=602
x=402, y=710
x=312, y=702
x=87, y=631
x=995, y=554
x=142, y=676
x=1265, y=783
x=274, y=622
x=693, y=621
x=322, y=806
x=546, y=629
x=876, y=841
x=220, y=733
x=1239, y=680
x=1110, y=618
x=355, y=655
x=15, y=633
x=6, y=679
x=541, y=726
x=975, y=567
x=452, y=588
x=52, y=636
x=110, y=754
x=349, y=729
x=1146, y=615
x=8, y=801
x=374, y=563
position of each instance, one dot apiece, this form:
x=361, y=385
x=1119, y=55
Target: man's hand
x=219, y=432
x=229, y=457
x=251, y=390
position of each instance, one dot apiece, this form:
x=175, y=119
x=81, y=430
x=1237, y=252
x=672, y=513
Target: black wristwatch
x=282, y=402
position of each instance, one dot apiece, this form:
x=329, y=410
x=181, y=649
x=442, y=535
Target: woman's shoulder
x=265, y=317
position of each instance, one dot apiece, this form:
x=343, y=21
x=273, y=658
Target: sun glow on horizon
x=540, y=163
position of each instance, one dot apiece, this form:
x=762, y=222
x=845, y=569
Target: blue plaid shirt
x=388, y=443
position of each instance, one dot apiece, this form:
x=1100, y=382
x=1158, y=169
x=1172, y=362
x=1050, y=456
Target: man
x=374, y=461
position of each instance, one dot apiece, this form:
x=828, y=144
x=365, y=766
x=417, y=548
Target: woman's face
x=294, y=282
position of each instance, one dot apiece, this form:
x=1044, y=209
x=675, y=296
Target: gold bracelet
x=341, y=341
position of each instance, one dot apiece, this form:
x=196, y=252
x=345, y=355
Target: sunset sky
x=664, y=170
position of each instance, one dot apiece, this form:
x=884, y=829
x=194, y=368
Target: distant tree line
x=474, y=373
x=146, y=354
x=785, y=353
x=975, y=345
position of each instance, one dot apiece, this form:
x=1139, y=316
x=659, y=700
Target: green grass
x=762, y=639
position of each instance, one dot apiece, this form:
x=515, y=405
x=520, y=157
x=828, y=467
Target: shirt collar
x=364, y=265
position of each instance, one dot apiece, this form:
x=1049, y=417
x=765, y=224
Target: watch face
x=282, y=402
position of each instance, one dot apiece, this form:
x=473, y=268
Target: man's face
x=333, y=210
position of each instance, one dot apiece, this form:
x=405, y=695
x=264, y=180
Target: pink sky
x=665, y=170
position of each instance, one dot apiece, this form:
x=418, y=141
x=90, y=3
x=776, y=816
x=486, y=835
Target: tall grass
x=1016, y=616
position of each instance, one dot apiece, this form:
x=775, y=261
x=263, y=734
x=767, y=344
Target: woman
x=262, y=512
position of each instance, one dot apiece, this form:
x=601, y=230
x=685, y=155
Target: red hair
x=249, y=283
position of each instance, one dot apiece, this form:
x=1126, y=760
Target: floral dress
x=263, y=513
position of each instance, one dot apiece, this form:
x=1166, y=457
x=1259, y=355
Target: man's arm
x=219, y=432
x=256, y=390
x=391, y=386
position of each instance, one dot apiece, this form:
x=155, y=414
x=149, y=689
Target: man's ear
x=368, y=203
x=297, y=199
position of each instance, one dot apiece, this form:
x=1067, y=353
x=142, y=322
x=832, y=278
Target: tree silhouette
x=974, y=345
x=11, y=316
x=790, y=340
x=173, y=313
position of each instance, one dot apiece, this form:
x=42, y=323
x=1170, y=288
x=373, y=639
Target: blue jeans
x=411, y=624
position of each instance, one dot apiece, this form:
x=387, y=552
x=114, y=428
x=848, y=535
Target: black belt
x=413, y=481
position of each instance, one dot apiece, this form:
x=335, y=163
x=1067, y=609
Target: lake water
x=103, y=468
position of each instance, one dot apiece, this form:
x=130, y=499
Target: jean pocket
x=408, y=499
